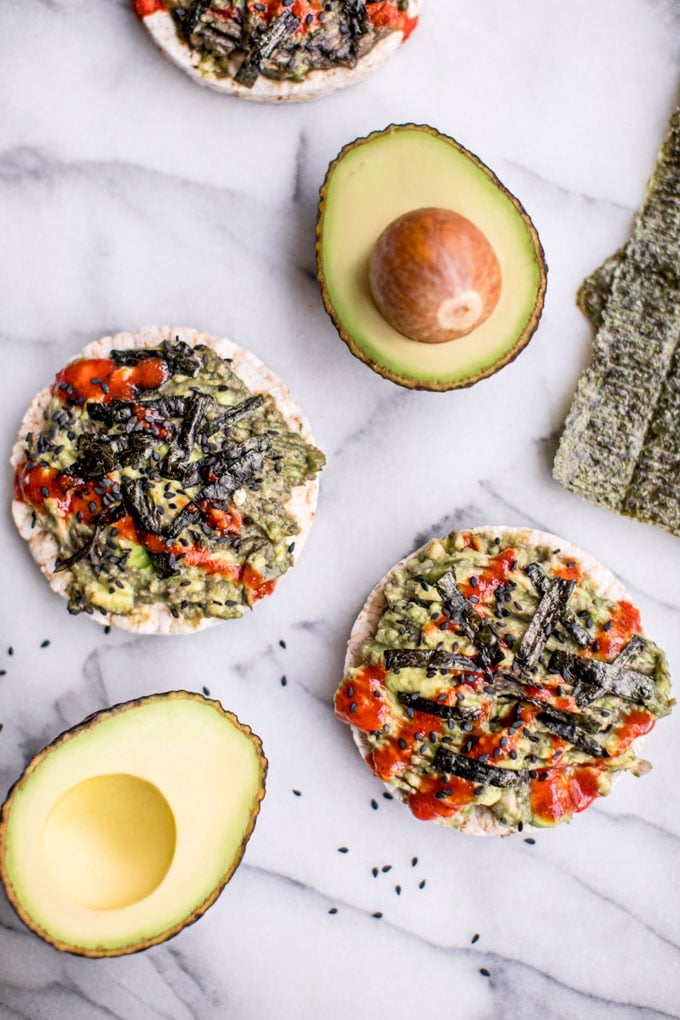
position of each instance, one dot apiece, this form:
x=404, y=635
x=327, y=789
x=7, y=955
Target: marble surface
x=130, y=196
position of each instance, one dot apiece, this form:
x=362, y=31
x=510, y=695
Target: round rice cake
x=500, y=677
x=281, y=51
x=165, y=481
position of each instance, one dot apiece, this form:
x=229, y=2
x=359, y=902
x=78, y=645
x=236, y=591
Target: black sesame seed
x=421, y=884
x=386, y=867
x=343, y=849
x=10, y=650
x=388, y=796
x=297, y=793
x=284, y=681
x=397, y=890
x=353, y=707
x=206, y=691
x=530, y=840
x=374, y=804
x=45, y=643
x=475, y=938
x=333, y=910
x=484, y=972
x=378, y=913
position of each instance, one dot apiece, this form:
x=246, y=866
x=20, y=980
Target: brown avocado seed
x=434, y=276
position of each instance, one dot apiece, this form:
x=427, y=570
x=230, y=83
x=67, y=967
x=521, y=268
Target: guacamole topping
x=282, y=39
x=498, y=676
x=164, y=480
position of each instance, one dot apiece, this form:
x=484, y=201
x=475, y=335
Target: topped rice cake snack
x=165, y=481
x=500, y=677
x=279, y=50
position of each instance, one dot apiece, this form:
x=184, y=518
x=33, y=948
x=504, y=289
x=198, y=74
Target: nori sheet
x=621, y=442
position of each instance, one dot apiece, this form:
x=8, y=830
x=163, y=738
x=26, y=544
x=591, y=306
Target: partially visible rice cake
x=165, y=481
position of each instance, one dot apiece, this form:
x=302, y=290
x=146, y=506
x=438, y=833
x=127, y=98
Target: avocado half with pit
x=414, y=169
x=126, y=828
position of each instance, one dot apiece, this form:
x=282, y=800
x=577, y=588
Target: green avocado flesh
x=113, y=839
x=499, y=677
x=164, y=480
x=375, y=180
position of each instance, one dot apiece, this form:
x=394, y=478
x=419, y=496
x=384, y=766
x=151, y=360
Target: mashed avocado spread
x=163, y=479
x=498, y=676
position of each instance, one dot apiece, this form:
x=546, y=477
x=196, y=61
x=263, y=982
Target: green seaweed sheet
x=621, y=442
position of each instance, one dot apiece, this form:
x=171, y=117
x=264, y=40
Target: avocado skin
x=98, y=952
x=403, y=379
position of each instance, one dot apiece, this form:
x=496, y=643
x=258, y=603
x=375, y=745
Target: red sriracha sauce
x=102, y=380
x=563, y=792
x=437, y=798
x=623, y=624
x=360, y=702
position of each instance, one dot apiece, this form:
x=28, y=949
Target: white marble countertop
x=129, y=196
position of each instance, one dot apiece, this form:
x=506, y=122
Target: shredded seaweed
x=541, y=583
x=592, y=678
x=429, y=707
x=548, y=612
x=426, y=658
x=477, y=627
x=262, y=46
x=447, y=762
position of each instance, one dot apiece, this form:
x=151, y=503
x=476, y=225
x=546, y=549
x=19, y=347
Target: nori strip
x=477, y=628
x=548, y=611
x=541, y=583
x=425, y=658
x=262, y=47
x=357, y=18
x=176, y=463
x=79, y=554
x=113, y=413
x=621, y=443
x=164, y=564
x=181, y=521
x=592, y=677
x=97, y=456
x=430, y=707
x=570, y=731
x=450, y=763
x=234, y=414
x=139, y=506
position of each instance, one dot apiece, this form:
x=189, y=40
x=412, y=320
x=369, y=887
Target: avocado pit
x=434, y=275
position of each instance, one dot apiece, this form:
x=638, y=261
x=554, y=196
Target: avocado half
x=127, y=827
x=374, y=180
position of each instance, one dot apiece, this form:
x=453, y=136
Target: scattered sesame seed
x=343, y=849
x=414, y=861
x=421, y=884
x=297, y=793
x=45, y=643
x=333, y=910
x=475, y=938
x=206, y=691
x=284, y=681
x=378, y=914
x=530, y=840
x=375, y=872
x=282, y=643
x=386, y=867
x=484, y=972
x=374, y=804
x=388, y=796
x=3, y=672
x=10, y=650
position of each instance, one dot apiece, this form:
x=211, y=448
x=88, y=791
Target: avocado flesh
x=126, y=828
x=375, y=180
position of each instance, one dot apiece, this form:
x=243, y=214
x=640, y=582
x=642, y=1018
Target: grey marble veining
x=129, y=196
